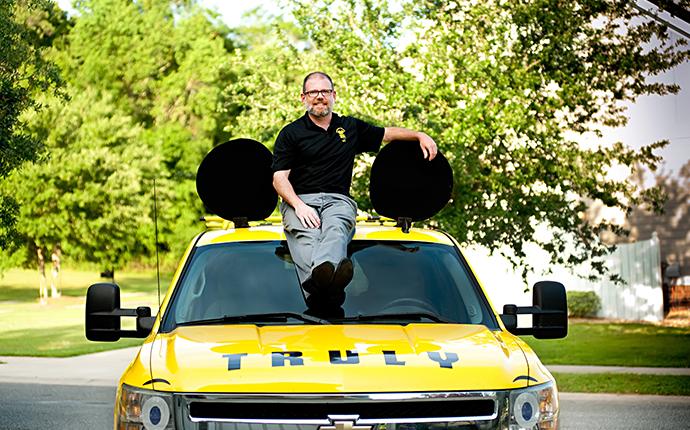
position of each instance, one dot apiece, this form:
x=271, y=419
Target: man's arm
x=306, y=214
x=425, y=142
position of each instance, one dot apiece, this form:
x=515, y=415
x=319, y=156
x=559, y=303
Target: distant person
x=55, y=278
x=313, y=158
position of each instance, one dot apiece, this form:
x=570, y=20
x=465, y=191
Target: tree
x=93, y=195
x=145, y=80
x=269, y=68
x=23, y=73
x=510, y=91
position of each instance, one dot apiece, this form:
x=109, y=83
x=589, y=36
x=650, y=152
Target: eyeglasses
x=313, y=93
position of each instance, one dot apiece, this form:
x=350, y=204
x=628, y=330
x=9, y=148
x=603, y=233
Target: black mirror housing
x=103, y=313
x=549, y=310
x=550, y=296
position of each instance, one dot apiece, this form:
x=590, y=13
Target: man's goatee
x=321, y=114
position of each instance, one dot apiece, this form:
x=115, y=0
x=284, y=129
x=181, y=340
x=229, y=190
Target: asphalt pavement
x=104, y=369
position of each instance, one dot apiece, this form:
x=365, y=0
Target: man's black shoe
x=343, y=275
x=322, y=275
x=308, y=286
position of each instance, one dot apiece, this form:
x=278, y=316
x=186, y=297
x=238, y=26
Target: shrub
x=583, y=303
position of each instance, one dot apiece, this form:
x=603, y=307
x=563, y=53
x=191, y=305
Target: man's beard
x=319, y=114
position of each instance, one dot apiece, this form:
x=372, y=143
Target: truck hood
x=336, y=359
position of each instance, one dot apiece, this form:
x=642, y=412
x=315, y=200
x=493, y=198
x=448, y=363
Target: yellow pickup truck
x=419, y=346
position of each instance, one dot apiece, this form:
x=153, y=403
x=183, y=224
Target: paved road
x=623, y=412
x=56, y=407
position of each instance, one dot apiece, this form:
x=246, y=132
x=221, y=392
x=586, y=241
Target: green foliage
x=264, y=96
x=23, y=73
x=145, y=80
x=93, y=195
x=582, y=304
x=508, y=90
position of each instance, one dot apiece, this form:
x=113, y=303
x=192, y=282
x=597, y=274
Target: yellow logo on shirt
x=341, y=133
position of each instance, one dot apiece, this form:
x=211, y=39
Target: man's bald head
x=312, y=74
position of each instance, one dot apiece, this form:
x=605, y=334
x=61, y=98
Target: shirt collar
x=336, y=120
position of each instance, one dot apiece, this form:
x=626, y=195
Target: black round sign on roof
x=235, y=180
x=406, y=185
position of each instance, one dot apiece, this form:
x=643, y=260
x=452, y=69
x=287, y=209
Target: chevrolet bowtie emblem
x=344, y=425
x=349, y=423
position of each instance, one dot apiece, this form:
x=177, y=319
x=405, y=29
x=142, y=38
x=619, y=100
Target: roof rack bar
x=216, y=222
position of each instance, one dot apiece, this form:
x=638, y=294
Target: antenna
x=155, y=223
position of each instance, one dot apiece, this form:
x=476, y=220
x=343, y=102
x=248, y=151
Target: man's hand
x=307, y=216
x=428, y=145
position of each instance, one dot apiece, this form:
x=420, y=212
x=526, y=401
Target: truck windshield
x=390, y=278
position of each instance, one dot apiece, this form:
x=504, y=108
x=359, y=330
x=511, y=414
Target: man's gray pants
x=310, y=247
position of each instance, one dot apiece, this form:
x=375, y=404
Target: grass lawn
x=623, y=383
x=617, y=344
x=56, y=329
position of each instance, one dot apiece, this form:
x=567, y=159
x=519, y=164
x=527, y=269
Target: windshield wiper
x=257, y=318
x=407, y=316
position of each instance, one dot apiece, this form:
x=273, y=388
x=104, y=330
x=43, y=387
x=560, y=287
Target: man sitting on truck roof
x=313, y=159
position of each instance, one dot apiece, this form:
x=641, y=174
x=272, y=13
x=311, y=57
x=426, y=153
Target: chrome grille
x=372, y=412
x=385, y=411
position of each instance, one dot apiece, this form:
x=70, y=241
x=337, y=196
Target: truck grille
x=384, y=411
x=369, y=412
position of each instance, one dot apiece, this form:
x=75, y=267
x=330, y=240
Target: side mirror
x=549, y=310
x=103, y=314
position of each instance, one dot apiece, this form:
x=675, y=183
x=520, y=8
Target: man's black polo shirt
x=321, y=160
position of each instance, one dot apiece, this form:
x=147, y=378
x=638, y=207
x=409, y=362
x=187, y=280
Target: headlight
x=534, y=408
x=139, y=409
